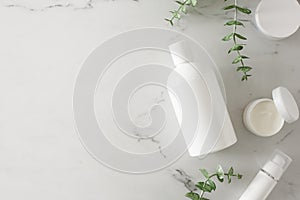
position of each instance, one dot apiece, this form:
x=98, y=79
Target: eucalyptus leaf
x=236, y=47
x=229, y=7
x=229, y=179
x=230, y=172
x=244, y=69
x=228, y=37
x=212, y=184
x=177, y=15
x=244, y=78
x=179, y=2
x=170, y=21
x=193, y=196
x=204, y=187
x=240, y=176
x=183, y=9
x=205, y=173
x=220, y=173
x=244, y=57
x=194, y=2
x=240, y=36
x=244, y=10
x=234, y=22
x=237, y=60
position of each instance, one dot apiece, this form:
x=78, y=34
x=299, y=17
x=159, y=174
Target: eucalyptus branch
x=208, y=185
x=234, y=36
x=182, y=9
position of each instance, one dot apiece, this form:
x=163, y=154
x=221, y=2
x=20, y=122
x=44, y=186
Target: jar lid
x=278, y=19
x=285, y=104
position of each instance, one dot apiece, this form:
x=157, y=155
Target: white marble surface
x=42, y=46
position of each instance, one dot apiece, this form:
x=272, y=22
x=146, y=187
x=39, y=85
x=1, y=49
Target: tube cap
x=277, y=164
x=285, y=104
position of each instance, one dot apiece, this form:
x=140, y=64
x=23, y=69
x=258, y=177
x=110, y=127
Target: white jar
x=277, y=19
x=265, y=117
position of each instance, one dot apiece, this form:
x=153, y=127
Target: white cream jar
x=277, y=19
x=265, y=117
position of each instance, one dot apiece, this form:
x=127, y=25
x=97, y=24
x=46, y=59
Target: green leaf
x=212, y=184
x=230, y=172
x=240, y=36
x=240, y=176
x=194, y=2
x=244, y=78
x=228, y=37
x=170, y=21
x=193, y=196
x=244, y=10
x=238, y=59
x=229, y=7
x=220, y=173
x=229, y=179
x=176, y=14
x=203, y=198
x=236, y=47
x=183, y=9
x=179, y=2
x=233, y=22
x=205, y=173
x=204, y=187
x=244, y=57
x=220, y=178
x=244, y=69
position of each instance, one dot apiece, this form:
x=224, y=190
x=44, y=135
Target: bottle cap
x=277, y=164
x=285, y=104
x=180, y=52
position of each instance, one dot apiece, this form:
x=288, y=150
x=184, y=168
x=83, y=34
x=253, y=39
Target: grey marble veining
x=42, y=47
x=43, y=6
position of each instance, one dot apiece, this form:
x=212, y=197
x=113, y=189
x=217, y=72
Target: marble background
x=42, y=46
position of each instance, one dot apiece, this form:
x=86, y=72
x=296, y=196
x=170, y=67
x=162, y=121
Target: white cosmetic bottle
x=214, y=129
x=267, y=178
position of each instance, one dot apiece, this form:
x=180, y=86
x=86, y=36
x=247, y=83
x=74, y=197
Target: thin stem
x=178, y=10
x=211, y=176
x=245, y=75
x=205, y=182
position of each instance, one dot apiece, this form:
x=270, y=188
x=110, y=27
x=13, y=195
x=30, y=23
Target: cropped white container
x=278, y=19
x=214, y=130
x=265, y=117
x=267, y=178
